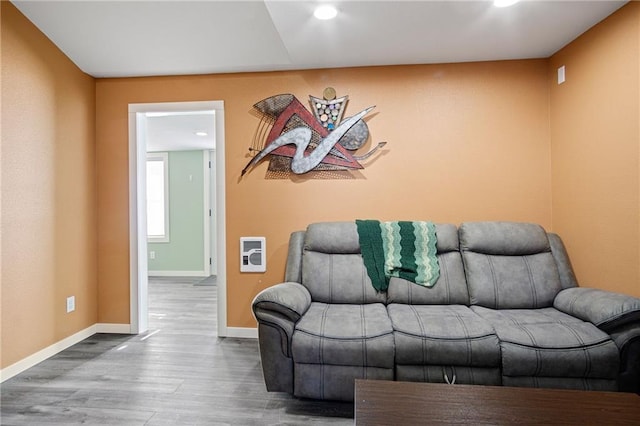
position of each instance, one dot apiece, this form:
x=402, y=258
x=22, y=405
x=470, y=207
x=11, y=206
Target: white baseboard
x=242, y=332
x=202, y=274
x=113, y=328
x=28, y=362
x=46, y=353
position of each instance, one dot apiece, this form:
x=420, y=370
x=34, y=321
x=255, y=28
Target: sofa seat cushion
x=548, y=343
x=354, y=335
x=442, y=335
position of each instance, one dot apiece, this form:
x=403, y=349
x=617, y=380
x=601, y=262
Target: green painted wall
x=185, y=249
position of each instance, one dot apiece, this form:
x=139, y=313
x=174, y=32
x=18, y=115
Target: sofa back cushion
x=451, y=287
x=332, y=267
x=508, y=265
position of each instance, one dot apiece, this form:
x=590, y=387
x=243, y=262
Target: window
x=158, y=197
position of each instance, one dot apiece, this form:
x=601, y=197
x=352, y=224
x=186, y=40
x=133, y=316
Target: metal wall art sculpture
x=300, y=141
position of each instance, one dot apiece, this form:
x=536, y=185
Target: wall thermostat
x=253, y=254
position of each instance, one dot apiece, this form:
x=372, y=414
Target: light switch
x=561, y=77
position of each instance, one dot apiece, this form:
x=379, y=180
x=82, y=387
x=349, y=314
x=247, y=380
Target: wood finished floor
x=178, y=373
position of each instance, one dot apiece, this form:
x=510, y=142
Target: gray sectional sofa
x=506, y=310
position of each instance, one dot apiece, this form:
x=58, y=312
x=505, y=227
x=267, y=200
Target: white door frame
x=137, y=207
x=206, y=205
x=211, y=156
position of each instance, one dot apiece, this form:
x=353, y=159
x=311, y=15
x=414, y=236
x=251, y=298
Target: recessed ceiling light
x=325, y=11
x=504, y=3
x=201, y=133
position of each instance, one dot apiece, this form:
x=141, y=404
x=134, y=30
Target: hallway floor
x=178, y=373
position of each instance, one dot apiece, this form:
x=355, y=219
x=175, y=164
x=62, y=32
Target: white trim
x=213, y=270
x=46, y=353
x=138, y=248
x=109, y=328
x=206, y=205
x=138, y=282
x=221, y=222
x=28, y=362
x=242, y=332
x=203, y=274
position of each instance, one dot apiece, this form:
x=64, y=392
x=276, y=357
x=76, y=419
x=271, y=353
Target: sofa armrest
x=607, y=310
x=293, y=268
x=627, y=338
x=559, y=253
x=277, y=310
x=288, y=299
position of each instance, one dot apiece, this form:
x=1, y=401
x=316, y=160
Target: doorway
x=138, y=134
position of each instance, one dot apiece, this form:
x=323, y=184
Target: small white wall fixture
x=137, y=208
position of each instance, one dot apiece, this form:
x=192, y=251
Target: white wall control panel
x=253, y=254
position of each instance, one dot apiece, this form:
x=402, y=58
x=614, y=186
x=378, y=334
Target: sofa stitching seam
x=532, y=282
x=496, y=296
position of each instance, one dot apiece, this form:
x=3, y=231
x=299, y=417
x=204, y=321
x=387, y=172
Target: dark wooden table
x=406, y=403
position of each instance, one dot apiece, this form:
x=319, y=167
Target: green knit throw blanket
x=399, y=249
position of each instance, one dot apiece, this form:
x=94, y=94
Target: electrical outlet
x=152, y=255
x=71, y=304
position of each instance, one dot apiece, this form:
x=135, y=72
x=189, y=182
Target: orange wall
x=595, y=139
x=48, y=191
x=465, y=142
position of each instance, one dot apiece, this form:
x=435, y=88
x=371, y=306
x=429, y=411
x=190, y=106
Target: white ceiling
x=143, y=38
x=177, y=131
x=147, y=38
